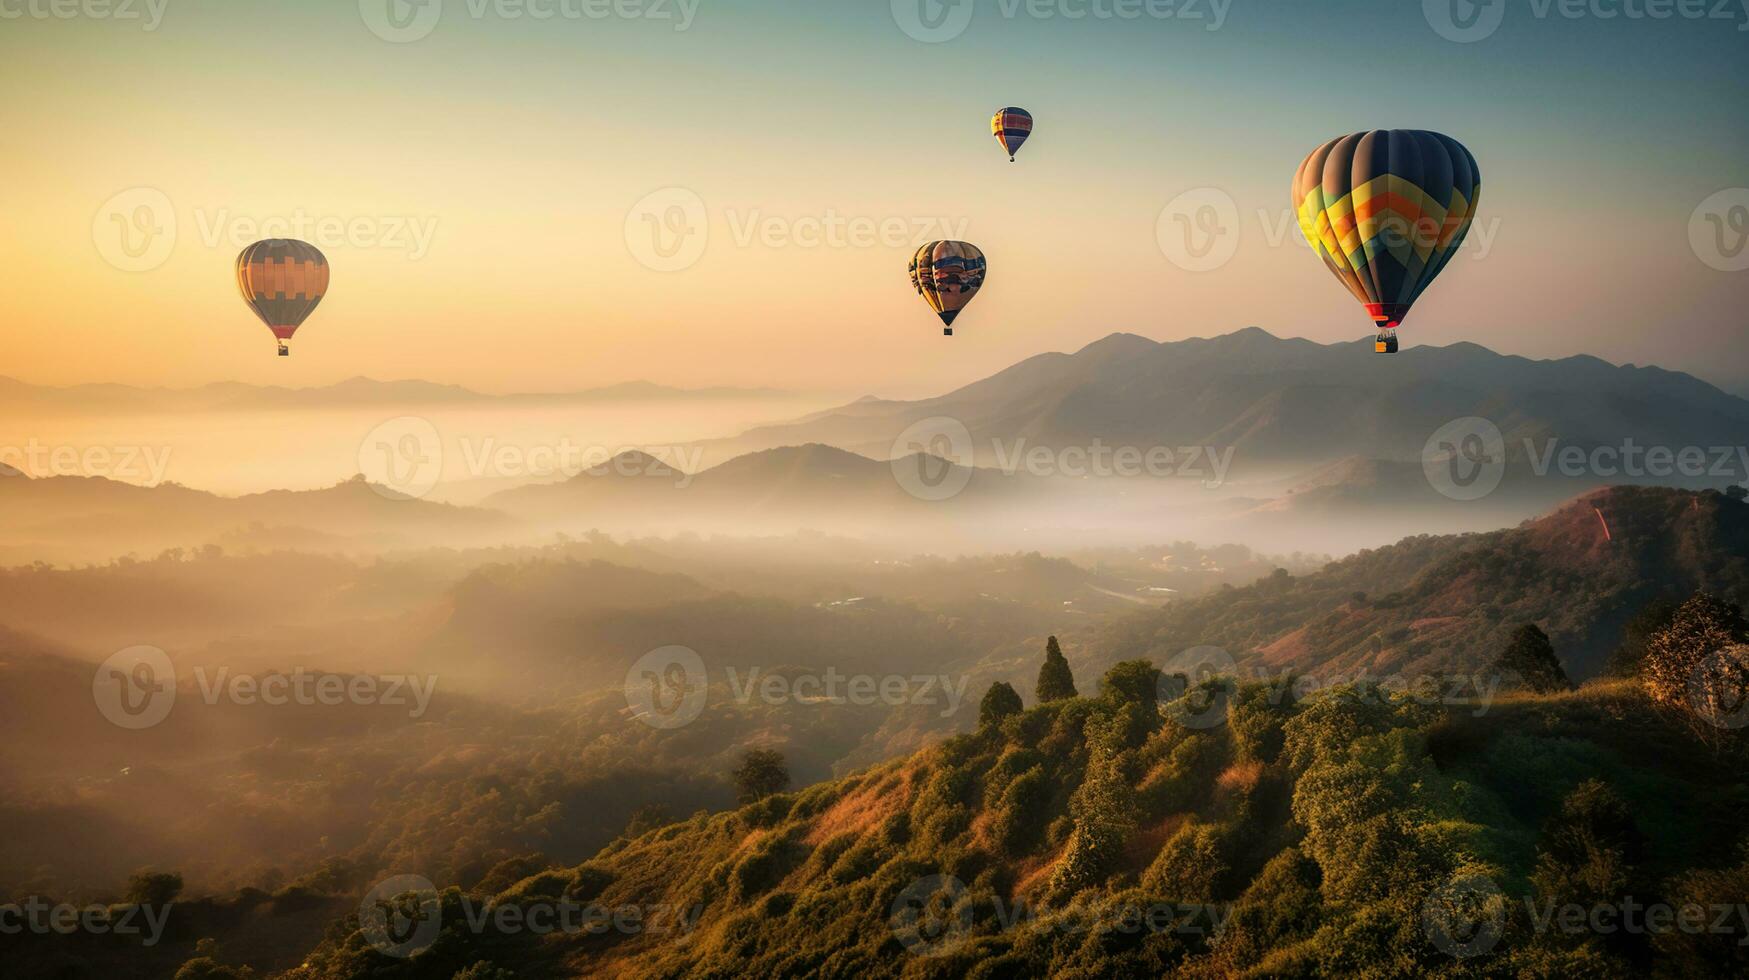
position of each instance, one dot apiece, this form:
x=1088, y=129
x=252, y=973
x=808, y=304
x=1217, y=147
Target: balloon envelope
x=1387, y=210
x=282, y=280
x=947, y=275
x=1011, y=126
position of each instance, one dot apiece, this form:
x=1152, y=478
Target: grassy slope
x=1322, y=827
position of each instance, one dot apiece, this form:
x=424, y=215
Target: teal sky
x=528, y=144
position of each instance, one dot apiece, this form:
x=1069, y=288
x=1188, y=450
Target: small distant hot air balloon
x=947, y=275
x=282, y=280
x=1386, y=211
x=1011, y=126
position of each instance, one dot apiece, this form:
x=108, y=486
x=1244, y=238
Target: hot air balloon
x=1012, y=126
x=947, y=275
x=1386, y=211
x=282, y=280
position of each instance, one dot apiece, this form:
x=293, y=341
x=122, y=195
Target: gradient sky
x=526, y=144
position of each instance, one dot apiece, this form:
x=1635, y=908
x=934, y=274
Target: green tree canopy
x=1701, y=629
x=1055, y=681
x=153, y=888
x=999, y=702
x=1530, y=658
x=762, y=773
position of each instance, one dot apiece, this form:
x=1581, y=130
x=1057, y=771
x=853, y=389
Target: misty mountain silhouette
x=72, y=515
x=812, y=479
x=1290, y=402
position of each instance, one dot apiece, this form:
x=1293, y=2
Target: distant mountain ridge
x=1285, y=402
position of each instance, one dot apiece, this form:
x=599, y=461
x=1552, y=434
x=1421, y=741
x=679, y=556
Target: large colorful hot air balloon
x=1011, y=126
x=282, y=280
x=1386, y=211
x=947, y=275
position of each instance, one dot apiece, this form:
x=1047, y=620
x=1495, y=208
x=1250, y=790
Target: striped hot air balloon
x=947, y=275
x=1387, y=211
x=282, y=280
x=1012, y=126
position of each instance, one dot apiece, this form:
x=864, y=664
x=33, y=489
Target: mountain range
x=1290, y=403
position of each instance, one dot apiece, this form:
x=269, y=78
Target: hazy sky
x=483, y=185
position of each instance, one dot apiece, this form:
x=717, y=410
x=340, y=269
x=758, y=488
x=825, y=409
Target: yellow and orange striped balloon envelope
x=947, y=275
x=1387, y=211
x=282, y=280
x=1011, y=127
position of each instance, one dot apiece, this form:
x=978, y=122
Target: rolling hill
x=1448, y=603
